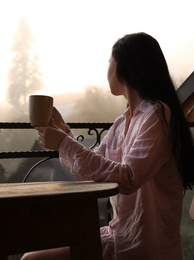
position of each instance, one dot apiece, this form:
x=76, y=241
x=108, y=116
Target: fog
x=73, y=41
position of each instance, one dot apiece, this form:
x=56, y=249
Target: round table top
x=69, y=189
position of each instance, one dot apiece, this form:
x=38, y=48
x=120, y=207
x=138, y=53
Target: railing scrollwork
x=96, y=130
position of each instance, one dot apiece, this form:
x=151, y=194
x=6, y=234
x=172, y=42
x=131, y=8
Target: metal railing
x=95, y=130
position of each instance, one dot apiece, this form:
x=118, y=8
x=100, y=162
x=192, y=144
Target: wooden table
x=36, y=216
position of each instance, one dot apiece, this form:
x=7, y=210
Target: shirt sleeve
x=142, y=159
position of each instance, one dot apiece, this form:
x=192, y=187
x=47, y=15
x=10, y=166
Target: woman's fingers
x=39, y=128
x=41, y=131
x=52, y=123
x=50, y=137
x=57, y=117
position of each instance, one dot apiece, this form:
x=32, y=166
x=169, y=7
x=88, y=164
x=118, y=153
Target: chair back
x=49, y=169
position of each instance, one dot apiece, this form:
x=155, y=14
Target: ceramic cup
x=40, y=110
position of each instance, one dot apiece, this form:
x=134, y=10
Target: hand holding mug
x=50, y=137
x=58, y=121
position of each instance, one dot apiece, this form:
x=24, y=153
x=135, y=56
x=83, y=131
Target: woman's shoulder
x=152, y=113
x=159, y=108
x=147, y=105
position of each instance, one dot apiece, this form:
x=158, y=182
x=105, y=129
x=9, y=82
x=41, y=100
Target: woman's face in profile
x=116, y=87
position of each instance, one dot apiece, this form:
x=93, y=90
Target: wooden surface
x=37, y=216
x=69, y=189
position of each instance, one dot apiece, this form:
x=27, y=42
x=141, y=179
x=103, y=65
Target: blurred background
x=61, y=48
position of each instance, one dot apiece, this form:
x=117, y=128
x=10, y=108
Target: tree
x=97, y=105
x=24, y=75
x=24, y=78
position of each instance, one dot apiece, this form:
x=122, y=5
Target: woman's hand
x=50, y=137
x=58, y=122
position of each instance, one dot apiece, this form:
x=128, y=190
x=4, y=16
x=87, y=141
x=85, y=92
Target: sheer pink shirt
x=136, y=153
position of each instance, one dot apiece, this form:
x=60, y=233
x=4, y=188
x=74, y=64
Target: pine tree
x=24, y=75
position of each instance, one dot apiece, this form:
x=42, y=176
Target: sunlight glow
x=73, y=39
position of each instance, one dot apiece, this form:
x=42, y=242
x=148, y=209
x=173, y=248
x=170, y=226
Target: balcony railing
x=94, y=130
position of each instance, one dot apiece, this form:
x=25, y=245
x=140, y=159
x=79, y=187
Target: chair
x=49, y=169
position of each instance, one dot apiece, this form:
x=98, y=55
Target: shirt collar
x=142, y=107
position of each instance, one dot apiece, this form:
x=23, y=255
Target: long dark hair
x=142, y=66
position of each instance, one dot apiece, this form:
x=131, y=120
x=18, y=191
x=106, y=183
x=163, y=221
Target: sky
x=73, y=38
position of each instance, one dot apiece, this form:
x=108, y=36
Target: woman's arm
x=141, y=160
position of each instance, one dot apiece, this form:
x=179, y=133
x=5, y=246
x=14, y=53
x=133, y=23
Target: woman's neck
x=133, y=98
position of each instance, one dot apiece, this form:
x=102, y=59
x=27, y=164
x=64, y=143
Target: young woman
x=147, y=151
